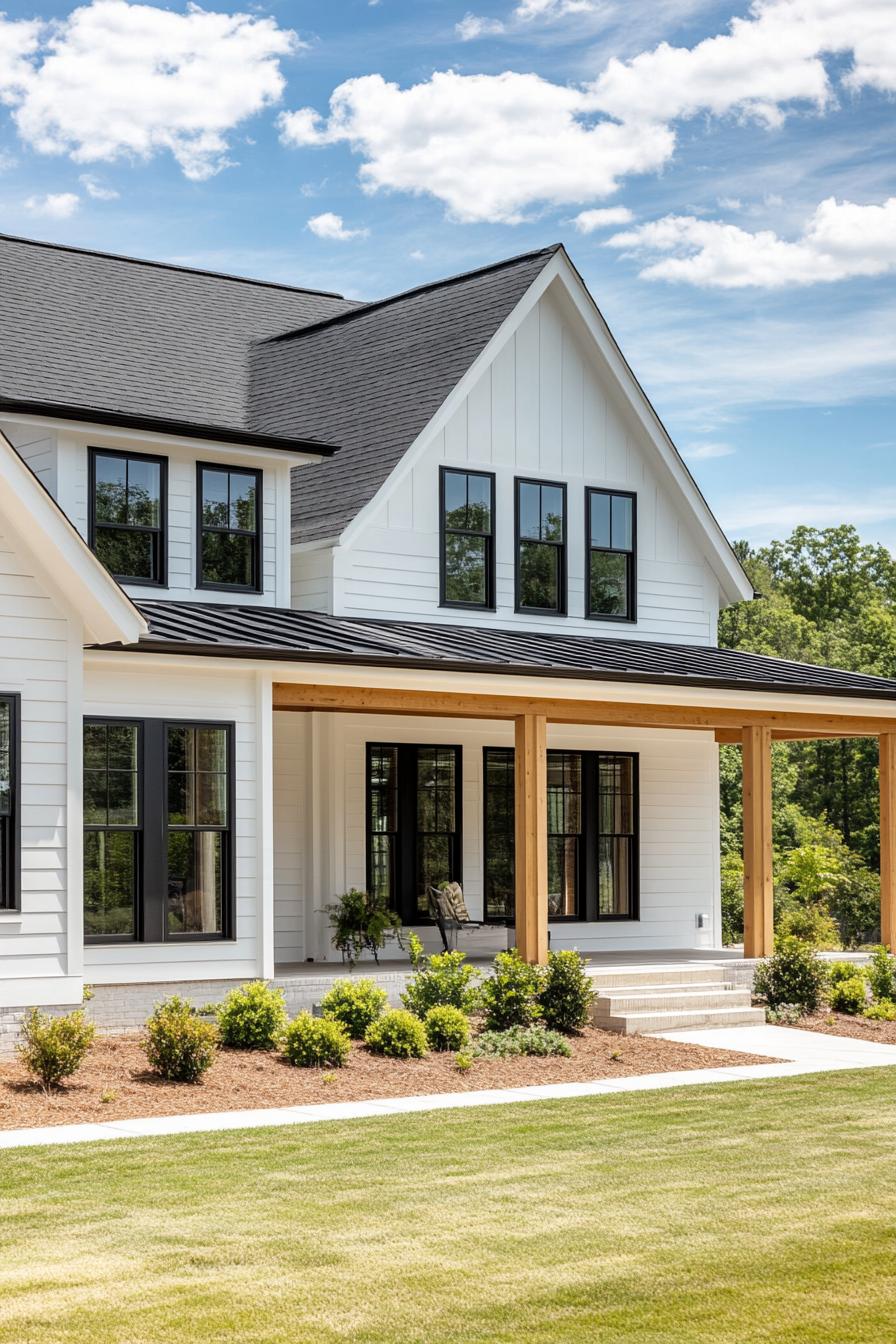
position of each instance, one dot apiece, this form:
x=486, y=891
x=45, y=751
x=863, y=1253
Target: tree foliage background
x=825, y=597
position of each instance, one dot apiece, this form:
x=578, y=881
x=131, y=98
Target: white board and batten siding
x=541, y=408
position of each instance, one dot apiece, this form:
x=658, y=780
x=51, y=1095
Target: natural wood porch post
x=531, y=838
x=887, y=749
x=758, y=877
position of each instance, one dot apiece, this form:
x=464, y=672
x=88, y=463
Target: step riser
x=633, y=977
x=641, y=1024
x=610, y=1005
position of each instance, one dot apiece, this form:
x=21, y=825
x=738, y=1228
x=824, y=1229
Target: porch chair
x=449, y=910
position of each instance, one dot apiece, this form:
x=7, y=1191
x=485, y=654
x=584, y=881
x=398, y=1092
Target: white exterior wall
x=542, y=408
x=679, y=801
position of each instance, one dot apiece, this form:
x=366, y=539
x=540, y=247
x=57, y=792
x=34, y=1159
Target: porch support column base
x=758, y=874
x=887, y=748
x=531, y=837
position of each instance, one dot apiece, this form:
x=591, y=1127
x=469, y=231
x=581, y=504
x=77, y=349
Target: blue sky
x=747, y=153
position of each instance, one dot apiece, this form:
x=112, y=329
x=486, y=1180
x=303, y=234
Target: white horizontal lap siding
x=544, y=409
x=35, y=644
x=122, y=688
x=37, y=447
x=678, y=816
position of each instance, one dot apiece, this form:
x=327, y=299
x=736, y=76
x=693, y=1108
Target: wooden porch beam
x=473, y=705
x=888, y=840
x=732, y=736
x=531, y=837
x=758, y=876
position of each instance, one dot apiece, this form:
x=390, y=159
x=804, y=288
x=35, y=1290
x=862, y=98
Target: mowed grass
x=740, y=1213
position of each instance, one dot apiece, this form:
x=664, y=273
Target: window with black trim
x=9, y=802
x=127, y=523
x=610, y=575
x=541, y=547
x=229, y=527
x=592, y=805
x=413, y=823
x=158, y=830
x=467, y=506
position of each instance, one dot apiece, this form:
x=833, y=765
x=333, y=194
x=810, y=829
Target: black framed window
x=158, y=830
x=541, y=547
x=229, y=528
x=127, y=523
x=593, y=839
x=611, y=568
x=9, y=802
x=467, y=538
x=413, y=823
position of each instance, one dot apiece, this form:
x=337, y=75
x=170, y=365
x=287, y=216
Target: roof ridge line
x=295, y=332
x=169, y=266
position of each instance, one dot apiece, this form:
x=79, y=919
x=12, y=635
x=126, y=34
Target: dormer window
x=127, y=514
x=467, y=539
x=610, y=578
x=229, y=528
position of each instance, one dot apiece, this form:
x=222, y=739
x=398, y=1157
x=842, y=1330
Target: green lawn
x=730, y=1214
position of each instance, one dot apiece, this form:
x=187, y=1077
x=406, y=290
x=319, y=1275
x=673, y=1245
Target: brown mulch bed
x=243, y=1080
x=842, y=1024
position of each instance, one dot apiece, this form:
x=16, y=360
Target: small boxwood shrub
x=354, y=1003
x=849, y=996
x=53, y=1048
x=566, y=992
x=443, y=979
x=793, y=975
x=534, y=1040
x=843, y=970
x=509, y=997
x=882, y=1011
x=447, y=1028
x=399, y=1034
x=179, y=1045
x=316, y=1043
x=463, y=1061
x=252, y=1017
x=881, y=973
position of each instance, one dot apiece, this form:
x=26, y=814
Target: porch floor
x=670, y=959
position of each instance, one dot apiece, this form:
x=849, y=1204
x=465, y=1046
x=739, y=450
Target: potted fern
x=361, y=922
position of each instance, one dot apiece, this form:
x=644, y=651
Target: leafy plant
x=399, y=1034
x=566, y=992
x=812, y=925
x=252, y=1017
x=447, y=1028
x=794, y=975
x=442, y=979
x=53, y=1048
x=884, y=1010
x=533, y=1040
x=509, y=997
x=316, y=1042
x=881, y=973
x=463, y=1061
x=361, y=922
x=732, y=898
x=843, y=970
x=354, y=1003
x=785, y=1015
x=178, y=1044
x=849, y=996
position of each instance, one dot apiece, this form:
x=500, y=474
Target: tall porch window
x=9, y=795
x=592, y=834
x=413, y=823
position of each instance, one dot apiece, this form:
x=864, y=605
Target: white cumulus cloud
x=19, y=40
x=840, y=240
x=55, y=205
x=589, y=220
x=472, y=26
x=332, y=227
x=96, y=189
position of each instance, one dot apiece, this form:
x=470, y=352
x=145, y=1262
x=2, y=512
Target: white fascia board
x=61, y=558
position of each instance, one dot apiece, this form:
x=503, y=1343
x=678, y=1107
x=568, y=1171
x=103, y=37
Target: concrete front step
x=613, y=1002
x=635, y=1024
x=653, y=977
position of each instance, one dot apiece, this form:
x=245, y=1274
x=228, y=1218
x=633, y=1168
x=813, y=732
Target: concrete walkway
x=794, y=1052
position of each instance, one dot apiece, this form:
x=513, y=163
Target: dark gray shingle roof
x=141, y=341
x=370, y=381
x=303, y=636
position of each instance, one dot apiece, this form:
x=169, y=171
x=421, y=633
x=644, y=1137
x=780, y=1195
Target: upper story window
x=127, y=514
x=467, y=538
x=541, y=547
x=610, y=578
x=9, y=792
x=229, y=544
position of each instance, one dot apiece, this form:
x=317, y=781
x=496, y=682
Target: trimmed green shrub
x=447, y=1028
x=178, y=1044
x=53, y=1048
x=354, y=1003
x=839, y=971
x=316, y=1043
x=849, y=996
x=884, y=1010
x=398, y=1034
x=509, y=997
x=534, y=1040
x=252, y=1017
x=442, y=979
x=793, y=975
x=881, y=973
x=463, y=1061
x=566, y=992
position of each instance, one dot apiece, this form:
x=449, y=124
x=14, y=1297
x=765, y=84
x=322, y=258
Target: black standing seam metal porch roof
x=271, y=633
